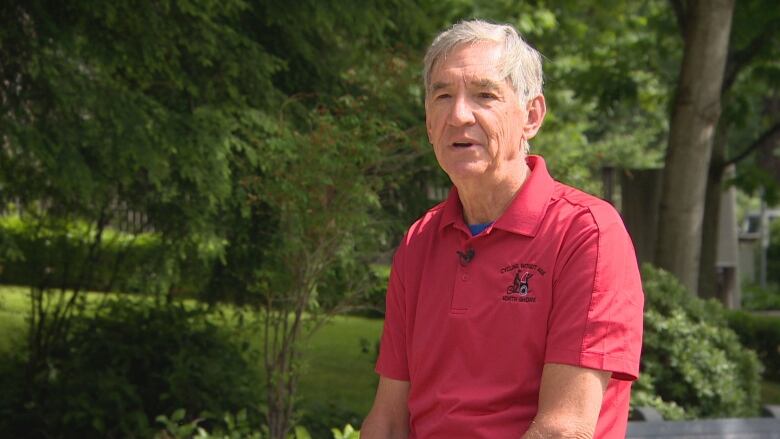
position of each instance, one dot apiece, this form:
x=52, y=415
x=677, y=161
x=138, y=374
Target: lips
x=464, y=143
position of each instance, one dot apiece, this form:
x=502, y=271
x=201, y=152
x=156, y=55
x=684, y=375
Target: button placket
x=461, y=293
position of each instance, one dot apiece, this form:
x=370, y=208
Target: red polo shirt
x=472, y=320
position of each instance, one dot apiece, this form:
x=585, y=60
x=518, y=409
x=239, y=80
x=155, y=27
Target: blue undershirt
x=476, y=229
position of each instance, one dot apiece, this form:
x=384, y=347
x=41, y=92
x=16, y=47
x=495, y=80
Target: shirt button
x=464, y=277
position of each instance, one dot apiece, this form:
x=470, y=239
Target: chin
x=465, y=172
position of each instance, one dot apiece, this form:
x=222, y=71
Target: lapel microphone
x=466, y=257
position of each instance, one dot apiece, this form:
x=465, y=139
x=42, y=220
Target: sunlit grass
x=14, y=307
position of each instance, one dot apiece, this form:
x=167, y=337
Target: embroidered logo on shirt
x=521, y=287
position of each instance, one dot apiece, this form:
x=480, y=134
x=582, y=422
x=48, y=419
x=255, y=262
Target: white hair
x=520, y=63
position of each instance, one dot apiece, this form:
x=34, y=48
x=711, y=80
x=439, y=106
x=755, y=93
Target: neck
x=485, y=202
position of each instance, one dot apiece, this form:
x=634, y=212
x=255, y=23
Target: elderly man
x=514, y=308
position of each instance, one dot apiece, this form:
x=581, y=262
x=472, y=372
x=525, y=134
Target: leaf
x=301, y=432
x=178, y=415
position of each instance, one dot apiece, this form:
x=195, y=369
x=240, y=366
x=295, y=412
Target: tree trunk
x=708, y=285
x=694, y=118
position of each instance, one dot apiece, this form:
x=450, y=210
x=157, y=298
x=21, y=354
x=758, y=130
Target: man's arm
x=569, y=402
x=389, y=417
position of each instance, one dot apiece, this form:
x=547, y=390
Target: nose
x=461, y=112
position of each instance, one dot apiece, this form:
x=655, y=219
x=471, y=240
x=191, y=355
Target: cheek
x=437, y=129
x=512, y=125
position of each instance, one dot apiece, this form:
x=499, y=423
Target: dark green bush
x=691, y=357
x=756, y=298
x=57, y=256
x=762, y=334
x=122, y=367
x=319, y=417
x=355, y=288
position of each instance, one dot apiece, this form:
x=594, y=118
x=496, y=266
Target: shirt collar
x=524, y=214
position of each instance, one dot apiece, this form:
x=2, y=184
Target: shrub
x=762, y=334
x=228, y=427
x=319, y=417
x=371, y=299
x=124, y=365
x=691, y=357
x=236, y=426
x=756, y=298
x=643, y=394
x=130, y=263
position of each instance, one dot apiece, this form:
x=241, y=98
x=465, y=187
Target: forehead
x=473, y=62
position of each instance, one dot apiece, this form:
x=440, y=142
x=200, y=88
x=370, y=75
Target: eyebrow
x=482, y=83
x=439, y=85
x=486, y=83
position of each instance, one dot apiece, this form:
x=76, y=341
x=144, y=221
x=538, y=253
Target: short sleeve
x=392, y=361
x=596, y=317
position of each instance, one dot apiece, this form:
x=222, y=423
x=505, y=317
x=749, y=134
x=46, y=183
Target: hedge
x=762, y=334
x=693, y=365
x=57, y=256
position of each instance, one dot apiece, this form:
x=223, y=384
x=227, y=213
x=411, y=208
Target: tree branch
x=679, y=12
x=767, y=139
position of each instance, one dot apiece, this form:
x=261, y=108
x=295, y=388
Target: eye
x=442, y=96
x=487, y=95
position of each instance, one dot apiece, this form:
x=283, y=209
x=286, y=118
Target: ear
x=536, y=109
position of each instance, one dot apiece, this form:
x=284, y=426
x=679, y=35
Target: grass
x=340, y=362
x=338, y=359
x=13, y=310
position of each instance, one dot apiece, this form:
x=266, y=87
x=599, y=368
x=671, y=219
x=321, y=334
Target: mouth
x=462, y=144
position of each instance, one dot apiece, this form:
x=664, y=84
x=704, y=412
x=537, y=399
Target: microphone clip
x=466, y=257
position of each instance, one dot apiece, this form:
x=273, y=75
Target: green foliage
x=691, y=357
x=644, y=394
x=122, y=366
x=321, y=179
x=319, y=417
x=55, y=253
x=228, y=427
x=232, y=427
x=338, y=384
x=747, y=112
x=608, y=82
x=762, y=334
x=103, y=106
x=756, y=298
x=349, y=432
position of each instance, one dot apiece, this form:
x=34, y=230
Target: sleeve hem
x=391, y=373
x=622, y=369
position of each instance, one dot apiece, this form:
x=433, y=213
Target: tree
x=191, y=112
x=750, y=125
x=694, y=118
x=97, y=108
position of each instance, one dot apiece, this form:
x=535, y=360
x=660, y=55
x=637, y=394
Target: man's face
x=474, y=118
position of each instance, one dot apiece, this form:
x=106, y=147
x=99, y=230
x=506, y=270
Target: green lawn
x=13, y=309
x=340, y=362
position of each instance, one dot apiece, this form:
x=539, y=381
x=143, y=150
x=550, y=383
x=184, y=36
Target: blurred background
x=199, y=200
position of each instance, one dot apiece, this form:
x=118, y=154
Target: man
x=514, y=308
